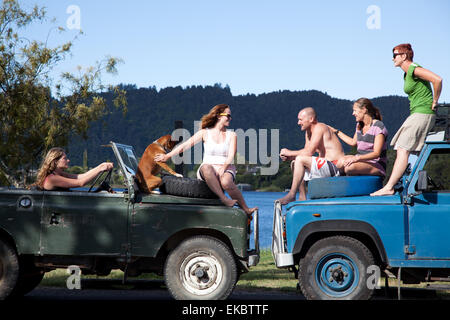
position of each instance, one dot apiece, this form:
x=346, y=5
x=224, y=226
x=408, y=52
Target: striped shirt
x=365, y=144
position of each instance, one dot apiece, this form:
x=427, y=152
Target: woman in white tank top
x=216, y=169
x=216, y=153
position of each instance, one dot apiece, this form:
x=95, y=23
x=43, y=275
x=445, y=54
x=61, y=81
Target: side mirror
x=422, y=181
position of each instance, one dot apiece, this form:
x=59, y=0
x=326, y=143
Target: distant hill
x=152, y=113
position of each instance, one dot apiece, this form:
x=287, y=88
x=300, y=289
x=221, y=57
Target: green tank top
x=419, y=92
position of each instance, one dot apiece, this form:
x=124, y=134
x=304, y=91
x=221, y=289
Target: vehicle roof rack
x=441, y=129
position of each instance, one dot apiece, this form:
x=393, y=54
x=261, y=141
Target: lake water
x=264, y=201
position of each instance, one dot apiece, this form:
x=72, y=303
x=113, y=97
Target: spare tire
x=186, y=187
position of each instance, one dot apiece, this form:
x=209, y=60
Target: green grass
x=265, y=276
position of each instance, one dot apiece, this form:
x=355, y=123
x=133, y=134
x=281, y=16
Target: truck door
x=81, y=222
x=20, y=216
x=429, y=213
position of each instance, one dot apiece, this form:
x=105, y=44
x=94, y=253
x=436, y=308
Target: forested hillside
x=152, y=113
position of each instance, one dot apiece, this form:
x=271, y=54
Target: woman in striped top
x=370, y=140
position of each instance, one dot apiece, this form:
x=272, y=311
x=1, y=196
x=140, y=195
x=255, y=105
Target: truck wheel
x=335, y=268
x=9, y=270
x=186, y=187
x=27, y=284
x=200, y=268
x=29, y=278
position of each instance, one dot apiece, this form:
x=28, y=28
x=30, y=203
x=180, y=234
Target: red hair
x=209, y=120
x=405, y=48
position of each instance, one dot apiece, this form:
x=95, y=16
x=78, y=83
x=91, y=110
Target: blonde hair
x=48, y=165
x=209, y=120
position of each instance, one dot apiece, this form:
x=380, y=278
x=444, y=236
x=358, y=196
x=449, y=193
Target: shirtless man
x=318, y=138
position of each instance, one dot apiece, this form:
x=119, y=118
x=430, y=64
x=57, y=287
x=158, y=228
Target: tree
x=33, y=119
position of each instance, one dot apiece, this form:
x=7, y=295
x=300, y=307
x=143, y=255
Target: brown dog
x=148, y=168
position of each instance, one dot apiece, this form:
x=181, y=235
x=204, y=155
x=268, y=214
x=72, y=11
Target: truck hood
x=394, y=199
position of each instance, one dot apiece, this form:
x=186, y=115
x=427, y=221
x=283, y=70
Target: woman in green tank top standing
x=422, y=103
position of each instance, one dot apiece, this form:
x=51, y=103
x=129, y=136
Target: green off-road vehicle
x=199, y=245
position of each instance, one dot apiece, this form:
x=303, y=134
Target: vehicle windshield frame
x=128, y=163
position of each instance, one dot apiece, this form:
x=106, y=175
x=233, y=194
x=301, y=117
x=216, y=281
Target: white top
x=216, y=153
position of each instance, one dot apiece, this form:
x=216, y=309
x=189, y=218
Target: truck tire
x=9, y=269
x=335, y=268
x=28, y=279
x=27, y=283
x=186, y=187
x=346, y=186
x=200, y=268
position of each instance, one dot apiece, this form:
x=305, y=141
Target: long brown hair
x=48, y=165
x=373, y=111
x=209, y=120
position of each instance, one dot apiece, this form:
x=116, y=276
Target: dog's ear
x=172, y=140
x=164, y=140
x=172, y=143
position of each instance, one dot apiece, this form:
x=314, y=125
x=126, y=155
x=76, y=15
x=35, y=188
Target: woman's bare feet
x=249, y=211
x=383, y=192
x=228, y=202
x=287, y=198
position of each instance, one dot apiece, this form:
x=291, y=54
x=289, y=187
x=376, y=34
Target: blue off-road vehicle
x=340, y=239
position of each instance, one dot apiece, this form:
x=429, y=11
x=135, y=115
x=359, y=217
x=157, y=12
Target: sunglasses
x=225, y=115
x=396, y=54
